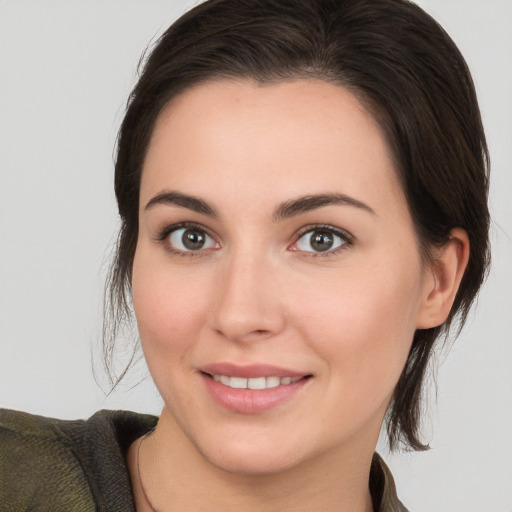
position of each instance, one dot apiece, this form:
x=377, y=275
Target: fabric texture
x=59, y=465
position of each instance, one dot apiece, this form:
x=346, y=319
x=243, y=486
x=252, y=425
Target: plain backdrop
x=66, y=68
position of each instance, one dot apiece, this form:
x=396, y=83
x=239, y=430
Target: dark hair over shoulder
x=401, y=65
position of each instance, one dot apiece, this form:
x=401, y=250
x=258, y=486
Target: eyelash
x=347, y=239
x=164, y=234
x=345, y=236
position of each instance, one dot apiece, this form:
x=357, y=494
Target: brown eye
x=191, y=239
x=321, y=240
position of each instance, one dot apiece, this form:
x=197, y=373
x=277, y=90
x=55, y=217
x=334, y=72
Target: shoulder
x=67, y=465
x=40, y=465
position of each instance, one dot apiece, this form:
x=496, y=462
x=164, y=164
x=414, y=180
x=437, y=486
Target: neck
x=169, y=474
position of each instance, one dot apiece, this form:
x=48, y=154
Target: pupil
x=321, y=241
x=193, y=239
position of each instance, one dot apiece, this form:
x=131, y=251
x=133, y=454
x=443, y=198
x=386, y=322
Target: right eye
x=190, y=239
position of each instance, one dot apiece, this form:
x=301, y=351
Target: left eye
x=319, y=240
x=191, y=239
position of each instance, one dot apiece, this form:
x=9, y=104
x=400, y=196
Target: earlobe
x=445, y=274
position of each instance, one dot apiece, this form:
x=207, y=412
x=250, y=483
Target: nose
x=247, y=306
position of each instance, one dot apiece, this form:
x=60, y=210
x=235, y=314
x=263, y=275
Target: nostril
x=237, y=322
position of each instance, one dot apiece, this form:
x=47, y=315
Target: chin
x=251, y=459
x=252, y=466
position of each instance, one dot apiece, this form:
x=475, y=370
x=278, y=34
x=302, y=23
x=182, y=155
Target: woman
x=302, y=187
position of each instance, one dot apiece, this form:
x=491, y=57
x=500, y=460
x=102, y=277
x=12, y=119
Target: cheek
x=169, y=306
x=364, y=325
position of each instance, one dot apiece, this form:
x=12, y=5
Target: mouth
x=252, y=389
x=254, y=382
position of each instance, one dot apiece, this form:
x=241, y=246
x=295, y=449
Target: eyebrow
x=312, y=202
x=172, y=198
x=283, y=211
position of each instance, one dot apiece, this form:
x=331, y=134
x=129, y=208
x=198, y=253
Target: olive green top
x=59, y=465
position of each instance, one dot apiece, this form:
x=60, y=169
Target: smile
x=254, y=382
x=245, y=400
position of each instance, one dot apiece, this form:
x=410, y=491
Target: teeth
x=257, y=383
x=254, y=383
x=273, y=382
x=237, y=382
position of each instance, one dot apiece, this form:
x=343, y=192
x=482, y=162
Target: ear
x=442, y=279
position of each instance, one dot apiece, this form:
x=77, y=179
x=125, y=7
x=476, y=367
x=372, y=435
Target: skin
x=258, y=293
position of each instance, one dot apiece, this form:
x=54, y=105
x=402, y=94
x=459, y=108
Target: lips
x=251, y=389
x=250, y=371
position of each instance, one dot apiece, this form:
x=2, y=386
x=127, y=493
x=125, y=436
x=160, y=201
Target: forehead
x=277, y=140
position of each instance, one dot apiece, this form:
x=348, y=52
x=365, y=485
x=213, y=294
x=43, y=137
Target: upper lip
x=250, y=371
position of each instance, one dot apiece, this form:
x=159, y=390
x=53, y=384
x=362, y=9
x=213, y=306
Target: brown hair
x=398, y=61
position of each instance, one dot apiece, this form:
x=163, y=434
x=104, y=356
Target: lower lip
x=251, y=401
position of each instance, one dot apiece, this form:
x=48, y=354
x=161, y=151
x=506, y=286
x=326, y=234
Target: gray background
x=66, y=67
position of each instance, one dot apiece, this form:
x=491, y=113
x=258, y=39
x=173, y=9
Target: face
x=277, y=281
